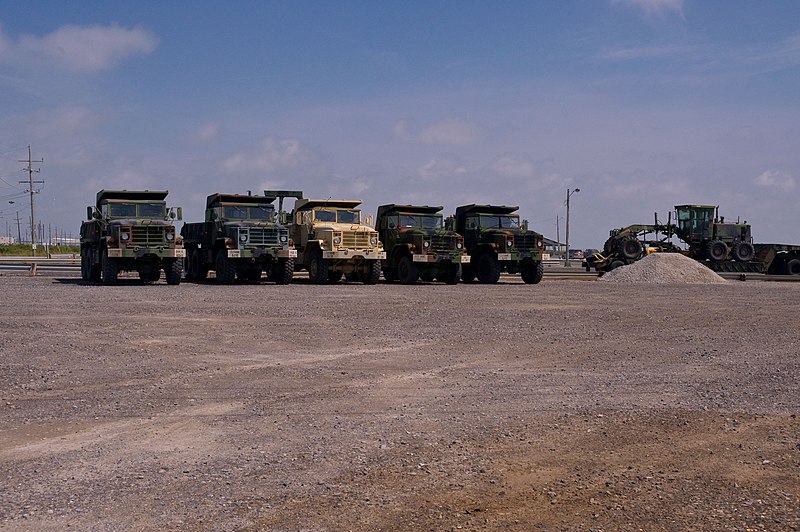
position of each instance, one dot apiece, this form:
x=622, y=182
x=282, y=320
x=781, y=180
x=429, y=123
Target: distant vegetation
x=24, y=250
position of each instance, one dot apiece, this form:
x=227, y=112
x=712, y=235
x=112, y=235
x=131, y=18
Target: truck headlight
x=540, y=244
x=459, y=245
x=125, y=237
x=242, y=237
x=170, y=237
x=284, y=239
x=337, y=240
x=509, y=243
x=426, y=244
x=373, y=241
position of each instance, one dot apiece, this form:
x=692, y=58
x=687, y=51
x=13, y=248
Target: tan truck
x=332, y=239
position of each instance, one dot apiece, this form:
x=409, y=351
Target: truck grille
x=359, y=240
x=264, y=236
x=525, y=242
x=442, y=244
x=148, y=235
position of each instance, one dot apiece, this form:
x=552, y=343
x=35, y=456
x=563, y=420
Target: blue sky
x=642, y=104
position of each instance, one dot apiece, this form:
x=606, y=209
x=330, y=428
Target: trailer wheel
x=717, y=250
x=172, y=271
x=532, y=273
x=793, y=267
x=224, y=268
x=744, y=252
x=110, y=268
x=407, y=270
x=488, y=269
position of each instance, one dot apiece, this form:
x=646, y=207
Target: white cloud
x=270, y=155
x=513, y=166
x=400, y=130
x=206, y=132
x=775, y=179
x=80, y=48
x=653, y=7
x=66, y=121
x=441, y=168
x=451, y=132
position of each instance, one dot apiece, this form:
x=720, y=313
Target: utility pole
x=569, y=193
x=19, y=231
x=558, y=236
x=30, y=183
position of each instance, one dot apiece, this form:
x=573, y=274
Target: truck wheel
x=84, y=265
x=532, y=273
x=283, y=271
x=374, y=273
x=187, y=265
x=467, y=273
x=198, y=270
x=793, y=267
x=318, y=268
x=173, y=271
x=744, y=252
x=488, y=269
x=94, y=269
x=717, y=250
x=450, y=273
x=617, y=264
x=630, y=248
x=225, y=268
x=110, y=268
x=407, y=270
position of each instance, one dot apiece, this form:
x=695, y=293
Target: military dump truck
x=496, y=241
x=131, y=230
x=240, y=238
x=418, y=246
x=332, y=240
x=720, y=245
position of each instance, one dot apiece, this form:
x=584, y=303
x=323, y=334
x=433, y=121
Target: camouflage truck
x=131, y=230
x=497, y=241
x=418, y=246
x=332, y=240
x=240, y=238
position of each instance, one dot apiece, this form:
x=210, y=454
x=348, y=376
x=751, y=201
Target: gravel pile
x=664, y=268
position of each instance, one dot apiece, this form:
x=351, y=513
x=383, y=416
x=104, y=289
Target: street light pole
x=569, y=193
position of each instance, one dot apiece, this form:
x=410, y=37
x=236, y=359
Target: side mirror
x=89, y=212
x=524, y=225
x=180, y=213
x=368, y=220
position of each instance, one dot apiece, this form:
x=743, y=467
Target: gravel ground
x=664, y=268
x=564, y=405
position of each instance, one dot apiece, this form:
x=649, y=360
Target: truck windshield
x=247, y=212
x=136, y=210
x=421, y=221
x=343, y=216
x=499, y=222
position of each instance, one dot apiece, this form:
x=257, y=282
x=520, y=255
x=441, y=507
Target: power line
x=31, y=182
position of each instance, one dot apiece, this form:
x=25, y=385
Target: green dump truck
x=131, y=230
x=239, y=239
x=418, y=246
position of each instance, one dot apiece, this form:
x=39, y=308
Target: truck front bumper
x=352, y=254
x=431, y=258
x=259, y=253
x=135, y=253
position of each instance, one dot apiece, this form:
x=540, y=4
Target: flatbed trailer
x=772, y=259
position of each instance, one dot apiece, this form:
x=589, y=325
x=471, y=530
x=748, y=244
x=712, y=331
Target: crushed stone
x=664, y=268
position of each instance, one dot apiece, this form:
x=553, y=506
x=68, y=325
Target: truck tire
x=793, y=267
x=407, y=270
x=224, y=267
x=450, y=273
x=110, y=268
x=198, y=269
x=744, y=252
x=467, y=273
x=717, y=250
x=488, y=269
x=617, y=264
x=374, y=274
x=187, y=265
x=95, y=270
x=532, y=273
x=173, y=270
x=318, y=268
x=630, y=248
x=84, y=265
x=282, y=271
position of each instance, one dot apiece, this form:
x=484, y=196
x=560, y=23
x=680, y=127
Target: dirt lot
x=567, y=405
